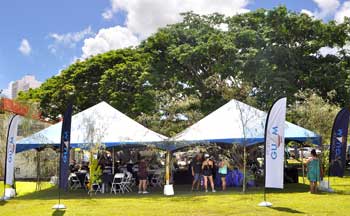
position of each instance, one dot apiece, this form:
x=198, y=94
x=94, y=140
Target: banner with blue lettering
x=64, y=148
x=11, y=150
x=337, y=148
x=274, y=144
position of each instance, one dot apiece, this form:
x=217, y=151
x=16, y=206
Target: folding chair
x=157, y=179
x=95, y=187
x=127, y=182
x=74, y=182
x=86, y=181
x=118, y=184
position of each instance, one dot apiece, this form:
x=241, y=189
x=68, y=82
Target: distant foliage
x=314, y=113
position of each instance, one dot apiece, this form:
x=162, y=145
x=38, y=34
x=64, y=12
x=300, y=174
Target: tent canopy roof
x=236, y=122
x=98, y=124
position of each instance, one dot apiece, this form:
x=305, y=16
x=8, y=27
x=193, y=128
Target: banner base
x=324, y=186
x=59, y=206
x=168, y=190
x=9, y=193
x=265, y=204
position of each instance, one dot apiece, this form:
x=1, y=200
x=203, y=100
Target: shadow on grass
x=287, y=210
x=58, y=212
x=181, y=192
x=2, y=203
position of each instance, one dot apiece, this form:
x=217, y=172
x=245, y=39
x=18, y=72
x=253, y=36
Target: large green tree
x=118, y=77
x=186, y=70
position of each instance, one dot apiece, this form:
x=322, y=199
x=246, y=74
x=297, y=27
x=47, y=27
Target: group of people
x=75, y=167
x=205, y=167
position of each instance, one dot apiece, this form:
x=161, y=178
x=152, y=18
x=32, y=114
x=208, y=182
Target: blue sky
x=41, y=37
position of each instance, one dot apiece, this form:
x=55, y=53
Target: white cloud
x=326, y=8
x=307, y=12
x=342, y=12
x=146, y=16
x=7, y=92
x=222, y=27
x=109, y=39
x=25, y=48
x=108, y=14
x=324, y=51
x=69, y=39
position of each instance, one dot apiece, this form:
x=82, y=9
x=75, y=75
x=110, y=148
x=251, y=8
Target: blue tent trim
x=240, y=141
x=20, y=147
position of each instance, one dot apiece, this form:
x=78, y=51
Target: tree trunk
x=244, y=168
x=302, y=165
x=38, y=177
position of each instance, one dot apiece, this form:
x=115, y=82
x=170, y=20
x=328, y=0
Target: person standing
x=223, y=173
x=208, y=167
x=196, y=168
x=143, y=175
x=313, y=171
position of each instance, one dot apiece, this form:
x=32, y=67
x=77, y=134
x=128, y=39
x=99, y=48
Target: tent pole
x=302, y=165
x=167, y=167
x=113, y=160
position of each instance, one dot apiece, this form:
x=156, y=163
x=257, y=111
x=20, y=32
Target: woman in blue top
x=223, y=173
x=313, y=171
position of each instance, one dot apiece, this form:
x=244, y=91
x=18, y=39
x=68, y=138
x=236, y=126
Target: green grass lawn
x=293, y=200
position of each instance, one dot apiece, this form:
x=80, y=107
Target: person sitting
x=84, y=167
x=73, y=167
x=130, y=168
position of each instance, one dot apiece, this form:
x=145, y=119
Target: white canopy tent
x=237, y=123
x=98, y=124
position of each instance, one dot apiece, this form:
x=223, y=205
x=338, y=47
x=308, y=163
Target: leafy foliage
x=188, y=69
x=314, y=113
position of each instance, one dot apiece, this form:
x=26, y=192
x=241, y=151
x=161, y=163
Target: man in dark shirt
x=196, y=168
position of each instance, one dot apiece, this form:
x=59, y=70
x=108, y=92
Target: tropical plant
x=95, y=172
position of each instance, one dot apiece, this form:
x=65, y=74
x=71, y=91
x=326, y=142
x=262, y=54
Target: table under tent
x=235, y=123
x=100, y=125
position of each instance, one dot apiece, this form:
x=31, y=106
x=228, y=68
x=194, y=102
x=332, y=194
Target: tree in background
x=186, y=70
x=314, y=113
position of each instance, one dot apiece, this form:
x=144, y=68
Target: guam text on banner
x=11, y=150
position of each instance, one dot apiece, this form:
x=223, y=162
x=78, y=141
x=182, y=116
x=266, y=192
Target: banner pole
x=264, y=203
x=265, y=168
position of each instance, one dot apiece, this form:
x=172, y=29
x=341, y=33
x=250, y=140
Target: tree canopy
x=187, y=70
